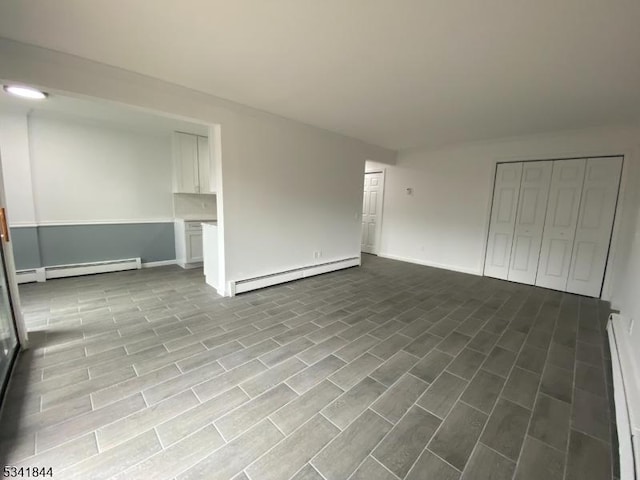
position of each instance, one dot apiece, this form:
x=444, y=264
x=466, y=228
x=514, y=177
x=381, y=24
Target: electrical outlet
x=316, y=254
x=319, y=253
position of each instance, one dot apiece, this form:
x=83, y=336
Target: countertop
x=195, y=218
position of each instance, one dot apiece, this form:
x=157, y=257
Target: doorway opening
x=372, y=201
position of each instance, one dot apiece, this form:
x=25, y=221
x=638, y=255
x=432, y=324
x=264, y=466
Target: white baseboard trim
x=454, y=268
x=240, y=286
x=626, y=393
x=188, y=266
x=160, y=263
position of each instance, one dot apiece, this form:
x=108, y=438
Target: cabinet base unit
x=188, y=236
x=210, y=243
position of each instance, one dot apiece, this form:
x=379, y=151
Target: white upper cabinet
x=192, y=165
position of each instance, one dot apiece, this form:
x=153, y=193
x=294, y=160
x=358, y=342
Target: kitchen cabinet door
x=185, y=163
x=194, y=247
x=205, y=167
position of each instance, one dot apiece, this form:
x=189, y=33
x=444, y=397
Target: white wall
x=92, y=171
x=627, y=283
x=287, y=188
x=16, y=165
x=444, y=223
x=194, y=206
x=290, y=191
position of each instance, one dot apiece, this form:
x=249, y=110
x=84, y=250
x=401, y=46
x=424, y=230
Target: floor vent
x=255, y=283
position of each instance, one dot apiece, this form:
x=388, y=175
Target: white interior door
x=527, y=237
x=503, y=219
x=560, y=224
x=371, y=206
x=593, y=232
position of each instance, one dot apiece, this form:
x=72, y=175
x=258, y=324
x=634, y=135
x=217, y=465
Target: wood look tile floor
x=387, y=371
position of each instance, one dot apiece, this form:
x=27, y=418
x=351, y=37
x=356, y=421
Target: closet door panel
x=534, y=193
x=560, y=224
x=503, y=218
x=595, y=220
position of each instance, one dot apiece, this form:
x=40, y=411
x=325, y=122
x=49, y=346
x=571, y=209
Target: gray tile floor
x=387, y=371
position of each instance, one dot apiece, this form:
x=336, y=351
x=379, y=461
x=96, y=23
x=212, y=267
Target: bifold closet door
x=530, y=217
x=503, y=219
x=560, y=224
x=595, y=220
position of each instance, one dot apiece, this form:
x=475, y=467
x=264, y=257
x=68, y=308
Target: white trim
x=22, y=225
x=189, y=265
x=626, y=395
x=240, y=286
x=160, y=263
x=65, y=223
x=383, y=171
x=426, y=263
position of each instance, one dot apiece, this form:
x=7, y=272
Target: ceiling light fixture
x=25, y=92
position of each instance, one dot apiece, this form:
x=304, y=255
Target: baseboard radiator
x=77, y=269
x=255, y=283
x=626, y=392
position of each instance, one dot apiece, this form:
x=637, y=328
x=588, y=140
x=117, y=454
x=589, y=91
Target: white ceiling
x=102, y=112
x=396, y=73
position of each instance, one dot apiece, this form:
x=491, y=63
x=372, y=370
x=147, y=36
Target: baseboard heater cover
x=626, y=393
x=255, y=283
x=31, y=275
x=77, y=269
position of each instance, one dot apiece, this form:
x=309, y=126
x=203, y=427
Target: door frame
x=12, y=279
x=606, y=288
x=14, y=302
x=380, y=204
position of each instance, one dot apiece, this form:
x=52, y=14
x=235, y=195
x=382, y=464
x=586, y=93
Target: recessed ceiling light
x=25, y=92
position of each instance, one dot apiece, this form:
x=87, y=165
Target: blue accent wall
x=66, y=244
x=26, y=251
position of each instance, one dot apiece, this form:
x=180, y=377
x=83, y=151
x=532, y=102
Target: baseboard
x=160, y=263
x=246, y=285
x=188, y=266
x=626, y=392
x=443, y=266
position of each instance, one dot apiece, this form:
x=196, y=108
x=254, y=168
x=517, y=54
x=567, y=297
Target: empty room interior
x=320, y=240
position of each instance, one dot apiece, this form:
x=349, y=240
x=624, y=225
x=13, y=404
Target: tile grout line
x=499, y=396
x=539, y=389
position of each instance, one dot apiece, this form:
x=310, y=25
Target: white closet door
x=560, y=224
x=503, y=219
x=534, y=193
x=593, y=233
